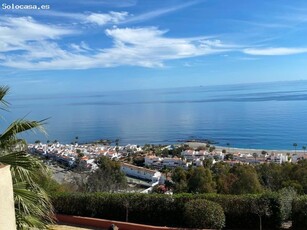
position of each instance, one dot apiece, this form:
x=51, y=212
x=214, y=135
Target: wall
x=7, y=210
x=102, y=223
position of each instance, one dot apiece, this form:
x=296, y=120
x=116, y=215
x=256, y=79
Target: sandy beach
x=244, y=150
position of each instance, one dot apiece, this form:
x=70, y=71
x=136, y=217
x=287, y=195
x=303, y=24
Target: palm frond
x=3, y=92
x=20, y=126
x=23, y=166
x=33, y=202
x=33, y=208
x=20, y=159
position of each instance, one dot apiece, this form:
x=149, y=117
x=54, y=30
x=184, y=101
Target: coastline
x=244, y=150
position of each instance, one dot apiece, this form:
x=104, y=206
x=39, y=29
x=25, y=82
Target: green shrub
x=200, y=213
x=241, y=211
x=299, y=213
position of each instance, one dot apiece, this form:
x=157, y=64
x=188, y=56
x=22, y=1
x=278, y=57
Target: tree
x=228, y=157
x=76, y=139
x=32, y=206
x=304, y=148
x=255, y=156
x=261, y=207
x=165, y=152
x=201, y=213
x=179, y=177
x=223, y=178
x=247, y=180
x=107, y=178
x=299, y=174
x=211, y=148
x=228, y=145
x=295, y=145
x=116, y=144
x=272, y=175
x=200, y=181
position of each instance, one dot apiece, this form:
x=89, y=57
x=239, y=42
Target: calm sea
x=266, y=115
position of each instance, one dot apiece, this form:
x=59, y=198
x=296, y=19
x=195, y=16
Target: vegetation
x=200, y=213
x=299, y=215
x=200, y=180
x=107, y=178
x=240, y=179
x=241, y=211
x=32, y=206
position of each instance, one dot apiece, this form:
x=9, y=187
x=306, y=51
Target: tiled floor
x=70, y=227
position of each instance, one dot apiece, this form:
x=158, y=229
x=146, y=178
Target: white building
x=172, y=162
x=152, y=160
x=142, y=173
x=188, y=154
x=279, y=158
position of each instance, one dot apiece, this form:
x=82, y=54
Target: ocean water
x=262, y=115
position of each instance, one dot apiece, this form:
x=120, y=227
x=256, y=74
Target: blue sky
x=99, y=45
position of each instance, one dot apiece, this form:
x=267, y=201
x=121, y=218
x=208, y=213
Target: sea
x=260, y=115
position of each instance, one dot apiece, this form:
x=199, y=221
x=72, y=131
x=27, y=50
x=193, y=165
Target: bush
x=244, y=211
x=202, y=213
x=241, y=211
x=299, y=213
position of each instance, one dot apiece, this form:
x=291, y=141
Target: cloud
x=275, y=51
x=100, y=19
x=82, y=47
x=113, y=17
x=128, y=49
x=117, y=3
x=103, y=19
x=18, y=33
x=160, y=12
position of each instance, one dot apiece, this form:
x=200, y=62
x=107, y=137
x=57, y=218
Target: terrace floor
x=63, y=226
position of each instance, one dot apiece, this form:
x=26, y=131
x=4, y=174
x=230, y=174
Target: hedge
x=241, y=211
x=299, y=213
x=141, y=208
x=201, y=213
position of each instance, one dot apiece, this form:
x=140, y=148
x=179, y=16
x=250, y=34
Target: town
x=148, y=163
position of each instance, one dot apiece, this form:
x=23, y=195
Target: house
x=141, y=173
x=172, y=162
x=188, y=154
x=152, y=160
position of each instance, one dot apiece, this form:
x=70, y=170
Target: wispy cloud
x=100, y=19
x=103, y=19
x=274, y=51
x=28, y=44
x=114, y=17
x=19, y=33
x=160, y=12
x=117, y=3
x=128, y=48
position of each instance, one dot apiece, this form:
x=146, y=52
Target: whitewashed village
x=152, y=169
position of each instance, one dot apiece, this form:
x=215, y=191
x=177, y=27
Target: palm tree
x=304, y=148
x=255, y=156
x=32, y=206
x=295, y=145
x=228, y=144
x=116, y=144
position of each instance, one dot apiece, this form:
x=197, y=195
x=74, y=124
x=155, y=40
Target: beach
x=244, y=150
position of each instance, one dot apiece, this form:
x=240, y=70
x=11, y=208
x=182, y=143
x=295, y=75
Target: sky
x=75, y=46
